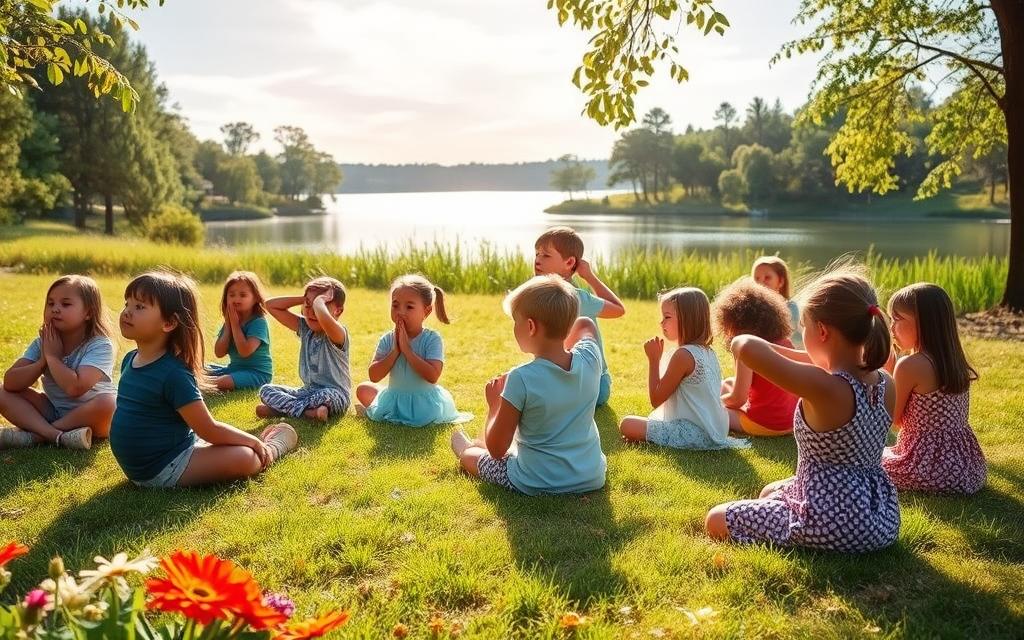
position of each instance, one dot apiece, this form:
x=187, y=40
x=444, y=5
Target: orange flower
x=314, y=627
x=436, y=625
x=203, y=588
x=719, y=560
x=10, y=551
x=571, y=621
x=258, y=615
x=400, y=630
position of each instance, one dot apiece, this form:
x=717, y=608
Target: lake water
x=512, y=220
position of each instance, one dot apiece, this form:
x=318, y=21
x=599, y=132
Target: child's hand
x=404, y=345
x=654, y=348
x=493, y=389
x=52, y=344
x=262, y=452
x=583, y=269
x=326, y=295
x=231, y=315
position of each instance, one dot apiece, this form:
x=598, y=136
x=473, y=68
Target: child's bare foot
x=320, y=414
x=460, y=442
x=263, y=411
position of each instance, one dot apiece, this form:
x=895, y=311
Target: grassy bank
x=378, y=520
x=959, y=203
x=974, y=283
x=226, y=212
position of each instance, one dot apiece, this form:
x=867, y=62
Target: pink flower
x=37, y=599
x=279, y=602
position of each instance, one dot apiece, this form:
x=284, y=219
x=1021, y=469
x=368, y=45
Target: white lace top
x=698, y=398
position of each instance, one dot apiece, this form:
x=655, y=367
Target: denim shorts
x=169, y=475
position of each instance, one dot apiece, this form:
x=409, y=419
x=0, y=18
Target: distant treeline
x=524, y=176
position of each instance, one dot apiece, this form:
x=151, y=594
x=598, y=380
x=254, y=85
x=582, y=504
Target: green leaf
x=54, y=74
x=44, y=5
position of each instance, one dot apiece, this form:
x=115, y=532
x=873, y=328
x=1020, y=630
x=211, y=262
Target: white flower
x=68, y=592
x=112, y=572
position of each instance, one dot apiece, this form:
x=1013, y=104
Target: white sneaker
x=14, y=438
x=80, y=438
x=281, y=438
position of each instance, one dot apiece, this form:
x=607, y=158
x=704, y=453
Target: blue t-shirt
x=557, y=448
x=259, y=360
x=96, y=352
x=427, y=345
x=797, y=338
x=147, y=431
x=590, y=307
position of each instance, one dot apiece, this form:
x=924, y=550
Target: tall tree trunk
x=1010, y=17
x=81, y=208
x=108, y=222
x=992, y=189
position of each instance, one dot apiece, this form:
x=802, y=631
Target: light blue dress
x=409, y=399
x=794, y=316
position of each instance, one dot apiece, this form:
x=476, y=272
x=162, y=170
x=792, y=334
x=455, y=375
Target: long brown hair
x=99, y=323
x=937, y=334
x=431, y=294
x=252, y=281
x=693, y=313
x=178, y=299
x=844, y=299
x=781, y=269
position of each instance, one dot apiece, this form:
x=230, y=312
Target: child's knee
x=469, y=461
x=244, y=462
x=715, y=523
x=365, y=393
x=633, y=428
x=226, y=383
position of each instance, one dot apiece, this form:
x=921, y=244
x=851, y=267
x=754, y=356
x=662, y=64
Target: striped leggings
x=293, y=402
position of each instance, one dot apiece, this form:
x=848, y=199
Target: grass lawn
x=378, y=519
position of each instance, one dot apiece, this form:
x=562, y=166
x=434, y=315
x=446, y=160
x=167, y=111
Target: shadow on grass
x=40, y=464
x=399, y=441
x=119, y=518
x=900, y=588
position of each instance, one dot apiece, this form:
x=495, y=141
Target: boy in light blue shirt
x=540, y=435
x=559, y=250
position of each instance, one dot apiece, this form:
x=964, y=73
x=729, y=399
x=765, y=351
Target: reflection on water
x=512, y=220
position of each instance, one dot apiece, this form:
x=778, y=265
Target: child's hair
x=549, y=300
x=324, y=283
x=781, y=269
x=693, y=312
x=99, y=323
x=255, y=285
x=843, y=298
x=566, y=242
x=746, y=307
x=431, y=294
x=937, y=333
x=178, y=299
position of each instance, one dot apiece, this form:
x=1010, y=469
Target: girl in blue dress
x=412, y=357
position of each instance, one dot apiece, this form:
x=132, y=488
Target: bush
x=732, y=186
x=174, y=224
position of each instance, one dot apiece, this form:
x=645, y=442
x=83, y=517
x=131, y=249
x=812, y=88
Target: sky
x=439, y=81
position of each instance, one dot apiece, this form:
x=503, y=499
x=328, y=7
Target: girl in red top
x=756, y=407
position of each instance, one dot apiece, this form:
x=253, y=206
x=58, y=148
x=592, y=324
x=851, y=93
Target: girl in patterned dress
x=936, y=450
x=840, y=498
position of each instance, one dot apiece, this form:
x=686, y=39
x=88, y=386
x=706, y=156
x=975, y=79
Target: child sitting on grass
x=540, y=436
x=323, y=354
x=244, y=337
x=559, y=250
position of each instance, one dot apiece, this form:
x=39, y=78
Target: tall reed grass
x=973, y=283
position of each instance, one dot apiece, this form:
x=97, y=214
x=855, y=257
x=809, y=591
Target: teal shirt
x=427, y=345
x=590, y=306
x=259, y=360
x=147, y=431
x=557, y=448
x=794, y=316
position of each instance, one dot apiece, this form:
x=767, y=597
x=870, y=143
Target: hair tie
x=874, y=310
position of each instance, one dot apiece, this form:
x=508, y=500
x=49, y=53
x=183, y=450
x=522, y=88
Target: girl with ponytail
x=840, y=498
x=412, y=356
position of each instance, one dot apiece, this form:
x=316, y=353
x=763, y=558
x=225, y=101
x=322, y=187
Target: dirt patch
x=998, y=323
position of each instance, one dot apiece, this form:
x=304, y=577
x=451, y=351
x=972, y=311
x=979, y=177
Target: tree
x=631, y=37
x=755, y=164
x=657, y=149
x=572, y=176
x=686, y=161
x=297, y=162
x=269, y=170
x=33, y=38
x=238, y=136
x=732, y=187
x=238, y=179
x=726, y=113
x=870, y=55
x=757, y=119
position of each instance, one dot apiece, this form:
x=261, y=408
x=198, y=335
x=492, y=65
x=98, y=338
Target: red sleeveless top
x=767, y=404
